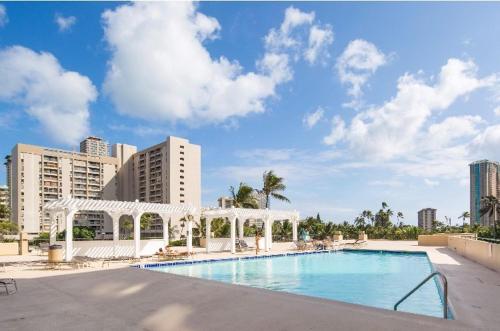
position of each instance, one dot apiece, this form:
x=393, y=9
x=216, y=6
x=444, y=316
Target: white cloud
x=431, y=183
x=4, y=19
x=57, y=98
x=388, y=183
x=265, y=155
x=65, y=23
x=395, y=129
x=356, y=64
x=497, y=111
x=311, y=119
x=319, y=40
x=277, y=39
x=337, y=133
x=176, y=78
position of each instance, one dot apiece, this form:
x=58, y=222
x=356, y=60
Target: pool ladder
x=445, y=290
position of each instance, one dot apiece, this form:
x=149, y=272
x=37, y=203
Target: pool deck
x=123, y=298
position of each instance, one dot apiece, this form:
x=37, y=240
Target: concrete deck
x=131, y=299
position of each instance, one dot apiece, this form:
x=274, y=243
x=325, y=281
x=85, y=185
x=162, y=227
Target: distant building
x=225, y=202
x=94, y=146
x=261, y=199
x=4, y=195
x=8, y=180
x=484, y=181
x=426, y=217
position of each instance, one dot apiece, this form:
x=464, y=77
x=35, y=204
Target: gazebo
x=68, y=207
x=243, y=214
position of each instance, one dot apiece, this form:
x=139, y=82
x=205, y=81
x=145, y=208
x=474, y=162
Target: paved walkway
x=130, y=299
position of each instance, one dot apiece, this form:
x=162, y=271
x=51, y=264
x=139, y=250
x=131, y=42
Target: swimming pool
x=371, y=278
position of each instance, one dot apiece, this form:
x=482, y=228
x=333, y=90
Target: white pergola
x=68, y=207
x=243, y=214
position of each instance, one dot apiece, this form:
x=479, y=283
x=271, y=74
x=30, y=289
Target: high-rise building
x=94, y=146
x=484, y=181
x=426, y=217
x=169, y=172
x=225, y=202
x=8, y=180
x=40, y=175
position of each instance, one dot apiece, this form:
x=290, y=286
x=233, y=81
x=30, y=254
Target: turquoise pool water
x=377, y=279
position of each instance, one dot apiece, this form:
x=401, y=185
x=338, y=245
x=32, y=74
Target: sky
x=352, y=103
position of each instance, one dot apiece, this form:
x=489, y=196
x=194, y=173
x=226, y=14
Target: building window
x=182, y=146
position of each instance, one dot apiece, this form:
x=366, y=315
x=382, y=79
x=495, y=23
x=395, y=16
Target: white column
x=189, y=239
x=208, y=226
x=115, y=219
x=271, y=221
x=137, y=234
x=165, y=218
x=53, y=228
x=266, y=234
x=240, y=228
x=69, y=234
x=232, y=220
x=294, y=229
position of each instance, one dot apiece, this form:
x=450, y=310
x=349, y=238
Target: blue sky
x=353, y=103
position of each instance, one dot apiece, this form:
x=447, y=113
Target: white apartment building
x=94, y=146
x=40, y=175
x=169, y=172
x=225, y=202
x=426, y=217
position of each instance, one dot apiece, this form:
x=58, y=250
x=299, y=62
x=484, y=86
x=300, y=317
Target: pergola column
x=266, y=234
x=232, y=220
x=208, y=226
x=294, y=229
x=189, y=239
x=69, y=214
x=115, y=219
x=241, y=222
x=53, y=228
x=270, y=236
x=137, y=233
x=166, y=239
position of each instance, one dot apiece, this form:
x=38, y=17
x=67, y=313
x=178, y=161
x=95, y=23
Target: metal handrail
x=445, y=294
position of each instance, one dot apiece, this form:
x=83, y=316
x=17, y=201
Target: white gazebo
x=68, y=207
x=243, y=214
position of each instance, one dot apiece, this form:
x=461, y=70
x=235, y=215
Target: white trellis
x=115, y=209
x=243, y=214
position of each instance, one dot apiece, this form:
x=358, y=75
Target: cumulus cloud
x=64, y=23
x=359, y=61
x=4, y=19
x=261, y=154
x=161, y=70
x=57, y=98
x=497, y=111
x=299, y=34
x=337, y=133
x=431, y=183
x=311, y=119
x=395, y=128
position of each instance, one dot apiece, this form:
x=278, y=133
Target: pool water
x=371, y=278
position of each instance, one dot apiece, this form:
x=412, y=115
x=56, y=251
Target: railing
x=490, y=240
x=445, y=294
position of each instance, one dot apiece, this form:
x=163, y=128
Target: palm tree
x=244, y=198
x=490, y=206
x=464, y=216
x=368, y=215
x=399, y=215
x=272, y=184
x=384, y=205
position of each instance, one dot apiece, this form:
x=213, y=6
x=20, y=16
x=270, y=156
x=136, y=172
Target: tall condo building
x=426, y=217
x=169, y=172
x=8, y=180
x=484, y=181
x=40, y=175
x=94, y=146
x=225, y=202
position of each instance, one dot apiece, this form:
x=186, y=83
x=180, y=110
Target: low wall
x=104, y=248
x=482, y=252
x=439, y=239
x=9, y=248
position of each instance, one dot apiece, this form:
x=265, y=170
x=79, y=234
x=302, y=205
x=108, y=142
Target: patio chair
x=44, y=248
x=241, y=246
x=6, y=282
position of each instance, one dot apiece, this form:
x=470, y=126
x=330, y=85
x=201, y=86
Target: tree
x=399, y=215
x=4, y=212
x=244, y=198
x=146, y=220
x=6, y=227
x=272, y=184
x=464, y=216
x=490, y=206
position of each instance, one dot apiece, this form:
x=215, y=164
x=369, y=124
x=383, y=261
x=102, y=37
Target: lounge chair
x=6, y=282
x=241, y=246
